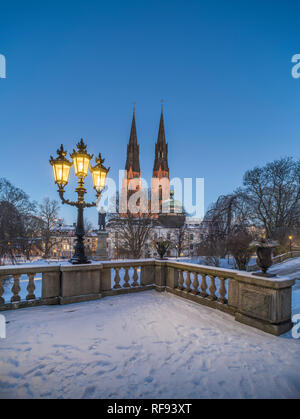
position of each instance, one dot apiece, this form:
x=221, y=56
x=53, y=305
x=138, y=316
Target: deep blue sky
x=222, y=67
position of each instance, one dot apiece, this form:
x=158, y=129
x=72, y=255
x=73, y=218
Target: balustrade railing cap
x=28, y=268
x=276, y=282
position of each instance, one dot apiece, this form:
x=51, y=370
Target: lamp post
x=290, y=239
x=61, y=170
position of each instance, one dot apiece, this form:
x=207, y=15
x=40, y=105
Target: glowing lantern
x=81, y=160
x=61, y=167
x=99, y=173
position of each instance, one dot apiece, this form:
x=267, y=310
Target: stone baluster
x=2, y=301
x=212, y=288
x=126, y=279
x=135, y=278
x=195, y=283
x=188, y=282
x=16, y=289
x=180, y=280
x=203, y=286
x=222, y=291
x=117, y=279
x=30, y=287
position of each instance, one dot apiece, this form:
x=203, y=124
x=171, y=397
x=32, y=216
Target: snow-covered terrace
x=144, y=345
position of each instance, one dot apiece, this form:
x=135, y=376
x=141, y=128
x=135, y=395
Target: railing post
x=105, y=279
x=80, y=283
x=172, y=278
x=265, y=303
x=51, y=286
x=233, y=293
x=30, y=287
x=180, y=280
x=126, y=278
x=117, y=278
x=222, y=291
x=16, y=289
x=195, y=284
x=135, y=277
x=147, y=275
x=160, y=276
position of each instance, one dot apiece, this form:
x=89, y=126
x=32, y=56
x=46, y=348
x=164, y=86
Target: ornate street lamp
x=61, y=170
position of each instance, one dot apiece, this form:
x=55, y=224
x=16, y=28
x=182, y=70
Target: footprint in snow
x=89, y=391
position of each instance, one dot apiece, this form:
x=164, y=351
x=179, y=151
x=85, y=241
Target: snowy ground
x=142, y=345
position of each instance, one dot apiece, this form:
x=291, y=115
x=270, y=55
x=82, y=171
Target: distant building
x=64, y=241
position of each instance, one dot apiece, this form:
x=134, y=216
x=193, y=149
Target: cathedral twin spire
x=161, y=167
x=133, y=152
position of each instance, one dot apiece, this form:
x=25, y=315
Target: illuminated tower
x=160, y=185
x=132, y=180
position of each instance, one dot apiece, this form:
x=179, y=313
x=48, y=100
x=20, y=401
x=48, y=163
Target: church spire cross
x=133, y=159
x=161, y=150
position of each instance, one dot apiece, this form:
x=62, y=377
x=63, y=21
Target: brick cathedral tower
x=160, y=185
x=132, y=166
x=161, y=167
x=133, y=153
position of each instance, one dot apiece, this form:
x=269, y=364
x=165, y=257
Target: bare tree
x=238, y=245
x=16, y=197
x=48, y=214
x=133, y=232
x=273, y=193
x=88, y=225
x=269, y=202
x=19, y=228
x=31, y=240
x=212, y=248
x=179, y=242
x=11, y=232
x=227, y=214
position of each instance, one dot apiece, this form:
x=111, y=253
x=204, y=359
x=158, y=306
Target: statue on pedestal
x=101, y=219
x=101, y=252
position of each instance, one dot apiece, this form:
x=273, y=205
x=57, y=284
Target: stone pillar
x=147, y=275
x=264, y=303
x=51, y=285
x=160, y=276
x=105, y=279
x=172, y=278
x=80, y=283
x=101, y=252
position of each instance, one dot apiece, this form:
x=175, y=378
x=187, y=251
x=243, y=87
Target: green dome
x=171, y=205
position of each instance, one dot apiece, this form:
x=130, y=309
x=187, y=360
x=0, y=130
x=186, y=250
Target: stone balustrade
x=264, y=303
